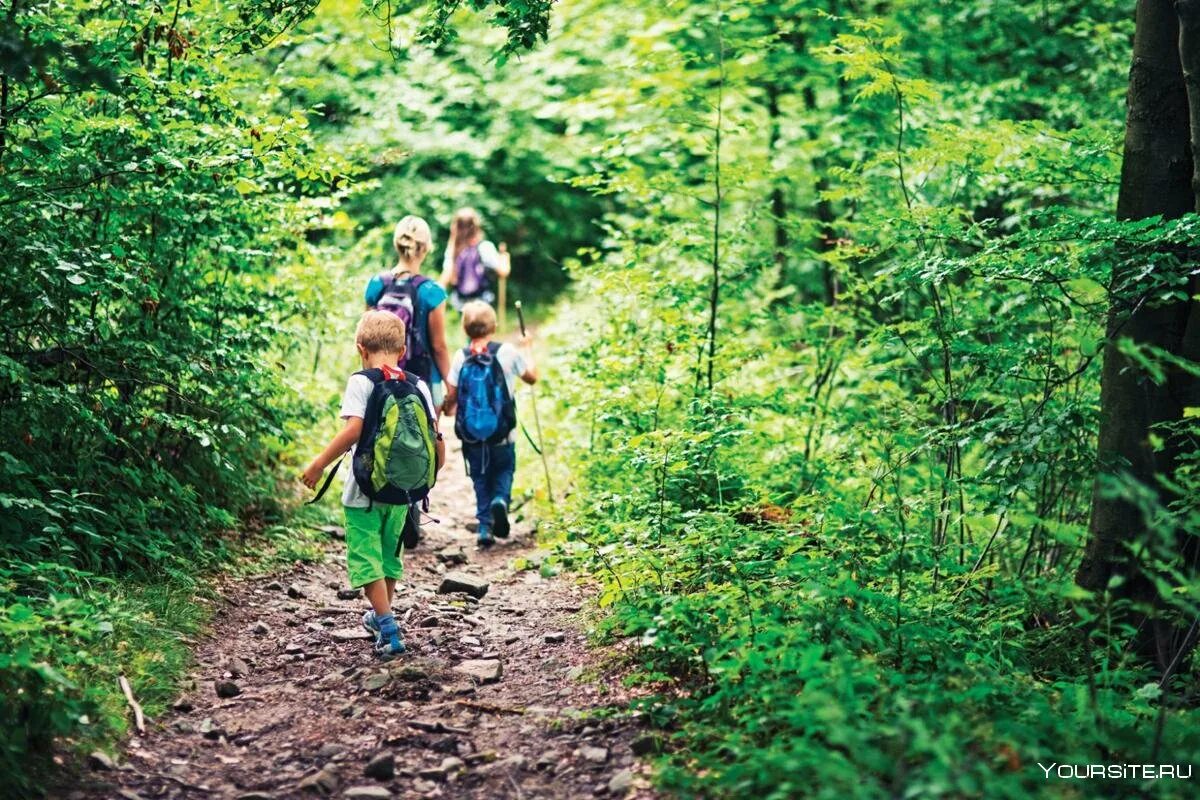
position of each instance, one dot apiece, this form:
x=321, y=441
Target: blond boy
x=373, y=529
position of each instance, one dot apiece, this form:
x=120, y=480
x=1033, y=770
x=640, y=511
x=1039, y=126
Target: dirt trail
x=316, y=714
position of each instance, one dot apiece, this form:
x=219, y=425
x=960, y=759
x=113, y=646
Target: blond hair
x=380, y=332
x=479, y=319
x=412, y=239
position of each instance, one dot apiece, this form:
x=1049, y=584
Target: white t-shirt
x=354, y=404
x=512, y=363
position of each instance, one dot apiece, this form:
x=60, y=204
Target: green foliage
x=157, y=201
x=848, y=568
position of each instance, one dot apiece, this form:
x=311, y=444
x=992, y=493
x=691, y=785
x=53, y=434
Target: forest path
x=314, y=708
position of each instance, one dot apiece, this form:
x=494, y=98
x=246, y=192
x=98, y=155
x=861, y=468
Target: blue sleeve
x=374, y=291
x=432, y=294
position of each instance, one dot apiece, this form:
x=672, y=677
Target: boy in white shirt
x=480, y=391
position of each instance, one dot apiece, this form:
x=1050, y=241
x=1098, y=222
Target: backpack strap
x=374, y=374
x=415, y=382
x=328, y=479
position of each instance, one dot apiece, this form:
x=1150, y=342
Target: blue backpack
x=487, y=413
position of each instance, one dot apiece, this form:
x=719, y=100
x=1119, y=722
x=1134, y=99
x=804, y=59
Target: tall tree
x=1156, y=180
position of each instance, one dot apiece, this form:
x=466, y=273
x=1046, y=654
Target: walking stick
x=501, y=300
x=537, y=423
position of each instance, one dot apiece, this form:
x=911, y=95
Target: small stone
x=646, y=744
x=183, y=706
x=260, y=628
x=274, y=586
x=432, y=774
x=555, y=637
x=375, y=681
x=452, y=554
x=546, y=760
x=294, y=592
x=330, y=750
x=597, y=755
x=409, y=673
x=210, y=730
x=227, y=689
x=336, y=531
x=237, y=667
x=368, y=793
x=349, y=634
x=424, y=787
x=481, y=670
x=514, y=763
x=294, y=649
x=255, y=796
x=130, y=794
x=382, y=766
x=620, y=783
x=324, y=781
x=462, y=582
x=452, y=765
x=429, y=622
x=100, y=761
x=470, y=641
x=472, y=527
x=349, y=594
x=474, y=759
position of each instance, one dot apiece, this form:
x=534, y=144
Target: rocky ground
x=498, y=697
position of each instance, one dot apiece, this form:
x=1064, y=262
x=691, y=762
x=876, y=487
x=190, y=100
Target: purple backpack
x=400, y=297
x=472, y=277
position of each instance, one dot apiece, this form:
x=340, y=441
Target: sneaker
x=485, y=538
x=500, y=519
x=371, y=624
x=390, y=648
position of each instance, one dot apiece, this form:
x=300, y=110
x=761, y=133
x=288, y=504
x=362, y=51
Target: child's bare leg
x=379, y=595
x=391, y=590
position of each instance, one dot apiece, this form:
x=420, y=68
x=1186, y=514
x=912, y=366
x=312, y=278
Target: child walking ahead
x=481, y=386
x=396, y=452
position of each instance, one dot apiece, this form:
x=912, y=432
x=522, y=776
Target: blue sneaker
x=485, y=538
x=371, y=624
x=389, y=647
x=500, y=519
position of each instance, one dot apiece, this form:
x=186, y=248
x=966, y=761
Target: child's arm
x=530, y=375
x=440, y=446
x=450, y=404
x=340, y=444
x=437, y=340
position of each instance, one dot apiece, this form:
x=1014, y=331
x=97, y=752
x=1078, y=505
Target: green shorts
x=372, y=542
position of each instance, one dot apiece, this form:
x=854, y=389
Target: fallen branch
x=437, y=727
x=139, y=719
x=487, y=708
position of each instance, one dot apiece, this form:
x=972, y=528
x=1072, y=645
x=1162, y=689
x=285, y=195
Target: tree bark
x=778, y=201
x=1156, y=179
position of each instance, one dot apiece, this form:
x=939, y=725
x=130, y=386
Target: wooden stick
x=537, y=423
x=487, y=708
x=502, y=298
x=139, y=719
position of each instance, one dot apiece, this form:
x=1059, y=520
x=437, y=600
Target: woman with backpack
x=472, y=263
x=419, y=301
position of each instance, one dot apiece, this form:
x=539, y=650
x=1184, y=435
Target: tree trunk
x=778, y=201
x=1156, y=179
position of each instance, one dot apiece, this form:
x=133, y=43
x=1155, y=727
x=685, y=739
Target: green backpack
x=396, y=458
